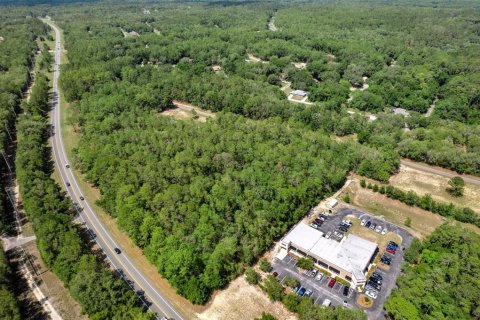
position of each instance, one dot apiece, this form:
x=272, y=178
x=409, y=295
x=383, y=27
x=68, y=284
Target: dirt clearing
x=425, y=182
x=241, y=301
x=180, y=114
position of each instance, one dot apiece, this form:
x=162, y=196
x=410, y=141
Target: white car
x=319, y=276
x=347, y=222
x=372, y=294
x=384, y=230
x=327, y=236
x=363, y=222
x=378, y=229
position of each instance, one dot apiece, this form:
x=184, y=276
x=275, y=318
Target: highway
x=155, y=300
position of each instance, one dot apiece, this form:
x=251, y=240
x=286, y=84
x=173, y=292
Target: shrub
x=342, y=281
x=408, y=222
x=346, y=199
x=363, y=184
x=265, y=266
x=291, y=281
x=305, y=263
x=252, y=276
x=273, y=288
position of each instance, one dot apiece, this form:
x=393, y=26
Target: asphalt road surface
x=156, y=302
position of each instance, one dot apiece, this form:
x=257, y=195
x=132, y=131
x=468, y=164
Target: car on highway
x=331, y=283
x=68, y=184
x=82, y=198
x=67, y=165
x=118, y=251
x=371, y=293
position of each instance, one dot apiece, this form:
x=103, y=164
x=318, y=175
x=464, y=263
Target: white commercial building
x=349, y=259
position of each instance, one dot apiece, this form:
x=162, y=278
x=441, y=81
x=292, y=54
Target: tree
x=266, y=316
x=346, y=198
x=252, y=276
x=408, y=222
x=305, y=263
x=264, y=265
x=273, y=288
x=291, y=281
x=456, y=186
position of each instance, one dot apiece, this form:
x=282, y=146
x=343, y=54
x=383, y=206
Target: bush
x=408, y=222
x=291, y=281
x=273, y=288
x=363, y=184
x=456, y=186
x=346, y=199
x=266, y=316
x=342, y=281
x=305, y=263
x=375, y=188
x=252, y=276
x=265, y=266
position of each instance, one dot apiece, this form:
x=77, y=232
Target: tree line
x=439, y=278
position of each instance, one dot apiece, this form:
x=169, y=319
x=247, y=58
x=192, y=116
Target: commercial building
x=348, y=259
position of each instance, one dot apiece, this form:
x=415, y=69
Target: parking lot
x=321, y=291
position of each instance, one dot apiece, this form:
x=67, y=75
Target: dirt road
x=439, y=171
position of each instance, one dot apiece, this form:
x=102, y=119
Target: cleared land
x=425, y=182
x=241, y=301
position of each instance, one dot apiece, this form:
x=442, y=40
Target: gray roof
x=300, y=93
x=401, y=111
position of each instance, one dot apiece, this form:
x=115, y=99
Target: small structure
x=332, y=203
x=216, y=68
x=349, y=259
x=401, y=111
x=299, y=93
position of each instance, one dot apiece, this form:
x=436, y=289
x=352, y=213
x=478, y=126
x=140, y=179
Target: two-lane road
x=159, y=304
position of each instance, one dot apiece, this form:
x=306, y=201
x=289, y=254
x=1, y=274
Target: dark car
x=345, y=291
x=376, y=280
x=368, y=224
x=275, y=274
x=332, y=282
x=377, y=275
x=374, y=285
x=82, y=198
x=301, y=292
x=393, y=244
x=296, y=288
x=68, y=184
x=118, y=251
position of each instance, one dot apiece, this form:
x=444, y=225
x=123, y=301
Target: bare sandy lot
x=241, y=301
x=180, y=114
x=424, y=182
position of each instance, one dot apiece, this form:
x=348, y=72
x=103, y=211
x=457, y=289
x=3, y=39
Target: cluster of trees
x=17, y=47
x=9, y=308
x=101, y=294
x=426, y=202
x=440, y=277
x=304, y=306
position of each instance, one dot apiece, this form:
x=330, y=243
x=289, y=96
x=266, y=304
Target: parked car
x=363, y=222
x=378, y=229
x=331, y=283
x=368, y=224
x=319, y=276
x=391, y=251
x=378, y=275
x=327, y=236
x=393, y=244
x=314, y=225
x=347, y=222
x=314, y=272
x=346, y=290
x=301, y=292
x=371, y=293
x=376, y=280
x=296, y=288
x=373, y=226
x=345, y=303
x=373, y=285
x=326, y=303
x=308, y=293
x=384, y=231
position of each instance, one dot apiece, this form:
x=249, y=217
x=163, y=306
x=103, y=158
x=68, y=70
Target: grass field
x=424, y=182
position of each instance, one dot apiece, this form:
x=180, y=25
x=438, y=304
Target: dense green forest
x=440, y=279
x=9, y=308
x=203, y=200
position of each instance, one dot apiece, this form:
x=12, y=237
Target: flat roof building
x=349, y=259
x=299, y=93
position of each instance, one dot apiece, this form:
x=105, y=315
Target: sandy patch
x=241, y=301
x=180, y=114
x=300, y=65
